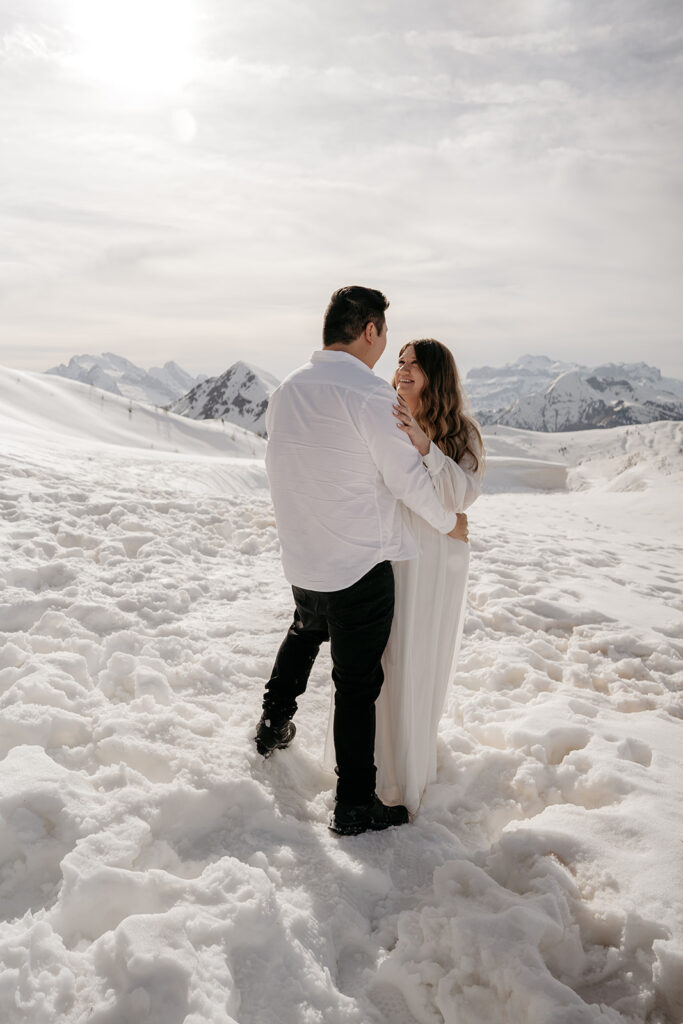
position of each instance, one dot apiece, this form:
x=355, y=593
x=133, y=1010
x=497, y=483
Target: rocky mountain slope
x=240, y=396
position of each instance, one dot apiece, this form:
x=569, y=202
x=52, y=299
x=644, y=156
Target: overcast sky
x=191, y=179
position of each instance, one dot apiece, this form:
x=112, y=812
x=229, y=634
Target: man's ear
x=371, y=331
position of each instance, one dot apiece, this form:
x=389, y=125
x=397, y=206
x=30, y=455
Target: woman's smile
x=409, y=375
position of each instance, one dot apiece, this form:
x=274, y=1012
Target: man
x=337, y=466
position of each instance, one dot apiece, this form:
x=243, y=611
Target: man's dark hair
x=349, y=312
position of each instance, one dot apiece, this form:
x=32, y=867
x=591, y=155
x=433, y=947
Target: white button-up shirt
x=337, y=463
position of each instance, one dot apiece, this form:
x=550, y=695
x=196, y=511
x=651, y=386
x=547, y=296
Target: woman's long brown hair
x=442, y=411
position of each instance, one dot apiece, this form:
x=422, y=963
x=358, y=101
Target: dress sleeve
x=458, y=484
x=399, y=463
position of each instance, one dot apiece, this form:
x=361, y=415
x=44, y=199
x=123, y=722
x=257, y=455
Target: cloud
x=45, y=212
x=20, y=45
x=508, y=172
x=552, y=43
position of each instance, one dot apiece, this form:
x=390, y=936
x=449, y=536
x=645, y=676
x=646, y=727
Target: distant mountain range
x=533, y=393
x=159, y=386
x=240, y=395
x=537, y=393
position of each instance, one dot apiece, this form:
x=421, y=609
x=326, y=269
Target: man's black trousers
x=357, y=622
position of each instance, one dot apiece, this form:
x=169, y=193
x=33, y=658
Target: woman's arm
x=458, y=484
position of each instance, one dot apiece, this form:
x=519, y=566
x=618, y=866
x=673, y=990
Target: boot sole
x=265, y=748
x=265, y=751
x=357, y=830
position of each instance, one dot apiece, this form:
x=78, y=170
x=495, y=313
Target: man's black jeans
x=357, y=622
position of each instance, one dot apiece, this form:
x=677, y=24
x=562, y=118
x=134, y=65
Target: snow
x=153, y=868
x=32, y=404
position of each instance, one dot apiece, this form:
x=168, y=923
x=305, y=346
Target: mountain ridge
x=537, y=393
x=240, y=396
x=159, y=385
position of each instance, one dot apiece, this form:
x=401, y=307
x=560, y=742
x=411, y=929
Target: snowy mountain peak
x=119, y=376
x=567, y=378
x=174, y=378
x=240, y=396
x=117, y=362
x=639, y=372
x=534, y=362
x=535, y=393
x=250, y=371
x=493, y=386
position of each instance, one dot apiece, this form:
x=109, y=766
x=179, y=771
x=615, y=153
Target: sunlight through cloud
x=137, y=48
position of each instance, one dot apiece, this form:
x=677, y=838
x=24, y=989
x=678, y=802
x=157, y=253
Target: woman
x=430, y=589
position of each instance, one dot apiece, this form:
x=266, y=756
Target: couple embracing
x=369, y=484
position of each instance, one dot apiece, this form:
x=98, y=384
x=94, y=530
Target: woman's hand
x=460, y=530
x=407, y=424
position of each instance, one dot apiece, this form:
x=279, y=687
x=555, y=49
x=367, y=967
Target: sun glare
x=139, y=48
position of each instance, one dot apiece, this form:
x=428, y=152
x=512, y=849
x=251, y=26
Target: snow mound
x=507, y=473
x=632, y=458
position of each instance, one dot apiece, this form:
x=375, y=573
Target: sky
x=191, y=179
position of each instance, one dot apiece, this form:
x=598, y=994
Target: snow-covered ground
x=154, y=869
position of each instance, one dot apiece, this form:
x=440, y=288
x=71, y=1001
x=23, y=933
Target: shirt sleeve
x=458, y=484
x=399, y=463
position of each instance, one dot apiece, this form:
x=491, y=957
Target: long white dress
x=419, y=659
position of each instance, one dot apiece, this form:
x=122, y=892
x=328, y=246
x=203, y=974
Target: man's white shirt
x=337, y=466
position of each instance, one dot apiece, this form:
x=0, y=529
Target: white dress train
x=419, y=659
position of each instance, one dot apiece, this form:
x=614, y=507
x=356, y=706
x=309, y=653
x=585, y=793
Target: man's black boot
x=273, y=733
x=353, y=819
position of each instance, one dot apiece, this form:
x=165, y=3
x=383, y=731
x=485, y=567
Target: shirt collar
x=335, y=356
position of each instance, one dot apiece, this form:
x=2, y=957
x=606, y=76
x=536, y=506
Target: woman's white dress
x=425, y=637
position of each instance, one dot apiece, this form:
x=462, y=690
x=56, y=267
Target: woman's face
x=410, y=380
